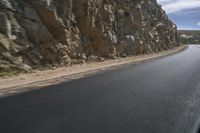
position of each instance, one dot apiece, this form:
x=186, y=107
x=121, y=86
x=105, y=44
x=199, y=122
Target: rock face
x=37, y=33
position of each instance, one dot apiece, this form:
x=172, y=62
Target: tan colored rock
x=38, y=33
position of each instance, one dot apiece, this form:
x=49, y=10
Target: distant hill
x=190, y=36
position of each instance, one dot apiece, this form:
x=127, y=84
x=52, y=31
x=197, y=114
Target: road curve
x=156, y=96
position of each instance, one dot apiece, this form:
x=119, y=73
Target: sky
x=185, y=13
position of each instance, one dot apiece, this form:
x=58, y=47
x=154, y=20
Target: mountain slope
x=190, y=36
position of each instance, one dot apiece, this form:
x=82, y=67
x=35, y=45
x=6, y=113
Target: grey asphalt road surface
x=156, y=96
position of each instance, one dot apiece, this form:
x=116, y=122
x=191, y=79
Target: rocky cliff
x=38, y=33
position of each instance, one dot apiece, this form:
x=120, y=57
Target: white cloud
x=198, y=23
x=171, y=6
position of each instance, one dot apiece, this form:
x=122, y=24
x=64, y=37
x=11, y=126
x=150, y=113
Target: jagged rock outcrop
x=37, y=33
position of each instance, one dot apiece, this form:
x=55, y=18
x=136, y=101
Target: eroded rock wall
x=38, y=33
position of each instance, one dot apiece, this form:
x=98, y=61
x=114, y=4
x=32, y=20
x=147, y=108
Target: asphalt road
x=156, y=96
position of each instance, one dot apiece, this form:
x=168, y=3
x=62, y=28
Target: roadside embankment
x=37, y=79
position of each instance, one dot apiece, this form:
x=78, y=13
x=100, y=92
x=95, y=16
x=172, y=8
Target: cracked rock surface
x=39, y=33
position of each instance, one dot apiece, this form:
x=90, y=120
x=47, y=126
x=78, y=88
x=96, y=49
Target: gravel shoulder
x=37, y=79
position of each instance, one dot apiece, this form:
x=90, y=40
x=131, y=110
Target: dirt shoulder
x=38, y=79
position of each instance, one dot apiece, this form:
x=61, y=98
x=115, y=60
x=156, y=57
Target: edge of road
x=19, y=84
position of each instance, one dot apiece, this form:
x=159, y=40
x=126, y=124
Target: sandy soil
x=38, y=79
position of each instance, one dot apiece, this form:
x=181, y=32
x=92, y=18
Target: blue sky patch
x=185, y=13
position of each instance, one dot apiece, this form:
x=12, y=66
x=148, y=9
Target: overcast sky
x=185, y=13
